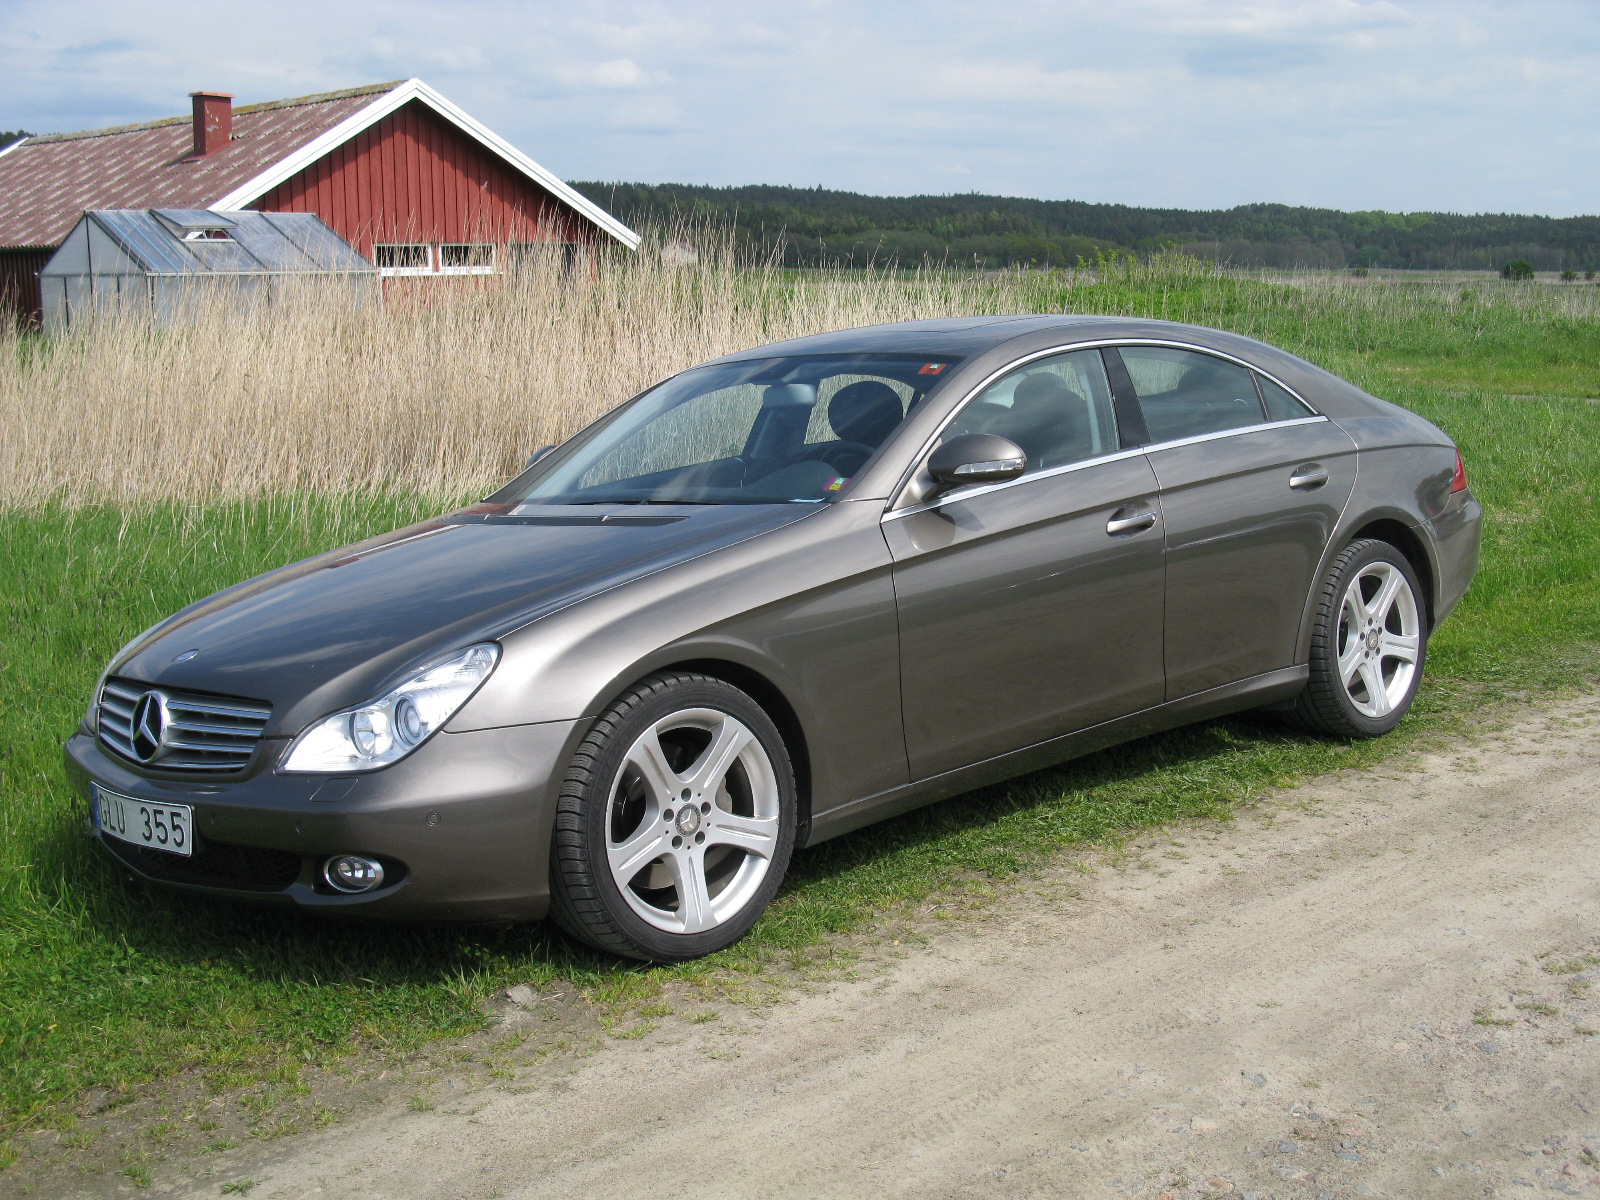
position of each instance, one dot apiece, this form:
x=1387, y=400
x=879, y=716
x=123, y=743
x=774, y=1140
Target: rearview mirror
x=536, y=456
x=976, y=458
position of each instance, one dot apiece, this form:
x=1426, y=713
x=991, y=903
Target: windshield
x=763, y=431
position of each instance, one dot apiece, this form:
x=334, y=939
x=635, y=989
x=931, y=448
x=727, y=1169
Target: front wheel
x=1368, y=642
x=675, y=822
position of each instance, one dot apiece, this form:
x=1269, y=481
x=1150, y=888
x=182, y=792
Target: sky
x=1456, y=105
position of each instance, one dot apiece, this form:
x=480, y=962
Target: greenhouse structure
x=162, y=261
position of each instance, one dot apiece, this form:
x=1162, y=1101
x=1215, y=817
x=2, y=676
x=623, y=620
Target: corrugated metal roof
x=257, y=243
x=47, y=183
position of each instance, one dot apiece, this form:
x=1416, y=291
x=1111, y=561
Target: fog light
x=352, y=873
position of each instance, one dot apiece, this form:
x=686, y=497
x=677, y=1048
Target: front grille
x=199, y=733
x=214, y=864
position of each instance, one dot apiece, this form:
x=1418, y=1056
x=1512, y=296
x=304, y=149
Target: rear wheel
x=675, y=823
x=1368, y=642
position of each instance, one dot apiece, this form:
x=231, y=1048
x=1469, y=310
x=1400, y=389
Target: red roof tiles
x=47, y=183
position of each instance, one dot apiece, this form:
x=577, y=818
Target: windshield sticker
x=838, y=482
x=932, y=368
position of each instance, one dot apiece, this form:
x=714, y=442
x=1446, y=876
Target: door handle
x=1309, y=477
x=1125, y=521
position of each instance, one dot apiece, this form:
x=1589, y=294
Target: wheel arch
x=1398, y=529
x=1406, y=540
x=760, y=687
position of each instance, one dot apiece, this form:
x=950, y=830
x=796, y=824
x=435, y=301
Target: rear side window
x=1185, y=394
x=1281, y=405
x=1058, y=409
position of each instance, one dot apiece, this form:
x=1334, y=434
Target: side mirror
x=976, y=458
x=536, y=456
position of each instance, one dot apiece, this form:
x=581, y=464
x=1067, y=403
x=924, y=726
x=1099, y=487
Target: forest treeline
x=816, y=227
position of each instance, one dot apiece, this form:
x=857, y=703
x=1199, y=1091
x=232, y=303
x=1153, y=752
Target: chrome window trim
x=1222, y=433
x=892, y=513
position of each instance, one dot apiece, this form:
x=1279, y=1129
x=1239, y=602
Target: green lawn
x=105, y=984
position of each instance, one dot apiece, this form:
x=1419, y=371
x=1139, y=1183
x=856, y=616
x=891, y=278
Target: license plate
x=168, y=827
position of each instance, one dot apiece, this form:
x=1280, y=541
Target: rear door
x=1031, y=608
x=1252, y=482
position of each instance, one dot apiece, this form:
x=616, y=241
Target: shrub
x=1517, y=270
x=1568, y=275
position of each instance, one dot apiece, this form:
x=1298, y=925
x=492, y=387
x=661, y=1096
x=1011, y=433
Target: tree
x=815, y=227
x=1568, y=275
x=1518, y=270
x=7, y=136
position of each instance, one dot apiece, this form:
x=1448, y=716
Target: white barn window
x=404, y=258
x=466, y=258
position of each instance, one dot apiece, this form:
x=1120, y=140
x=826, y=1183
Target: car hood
x=330, y=631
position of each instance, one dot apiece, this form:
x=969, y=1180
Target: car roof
x=964, y=336
x=971, y=339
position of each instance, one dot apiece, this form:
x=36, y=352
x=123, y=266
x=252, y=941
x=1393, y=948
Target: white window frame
x=491, y=268
x=431, y=249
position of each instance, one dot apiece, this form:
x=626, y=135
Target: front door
x=1032, y=608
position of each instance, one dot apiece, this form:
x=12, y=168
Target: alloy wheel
x=692, y=820
x=1379, y=640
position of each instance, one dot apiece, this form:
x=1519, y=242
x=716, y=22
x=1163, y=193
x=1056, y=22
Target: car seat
x=1049, y=420
x=865, y=412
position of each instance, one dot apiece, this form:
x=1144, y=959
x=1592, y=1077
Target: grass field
x=105, y=985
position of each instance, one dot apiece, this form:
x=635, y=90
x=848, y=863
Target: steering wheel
x=847, y=457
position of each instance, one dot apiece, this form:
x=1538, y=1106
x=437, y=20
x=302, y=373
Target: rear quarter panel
x=1405, y=468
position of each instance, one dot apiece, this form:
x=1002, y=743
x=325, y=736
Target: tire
x=1369, y=638
x=675, y=822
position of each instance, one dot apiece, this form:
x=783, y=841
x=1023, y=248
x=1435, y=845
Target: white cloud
x=617, y=74
x=646, y=116
x=1272, y=20
x=1033, y=83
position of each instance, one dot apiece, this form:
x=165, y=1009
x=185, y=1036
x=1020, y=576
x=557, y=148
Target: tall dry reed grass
x=444, y=390
x=441, y=391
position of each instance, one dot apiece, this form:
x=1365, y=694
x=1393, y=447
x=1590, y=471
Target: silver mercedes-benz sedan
x=776, y=598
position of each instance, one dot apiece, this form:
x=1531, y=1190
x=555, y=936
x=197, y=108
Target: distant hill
x=823, y=227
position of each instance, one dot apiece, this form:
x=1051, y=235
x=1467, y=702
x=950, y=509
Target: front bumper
x=463, y=824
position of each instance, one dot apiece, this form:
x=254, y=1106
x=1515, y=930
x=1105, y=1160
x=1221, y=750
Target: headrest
x=865, y=412
x=1042, y=389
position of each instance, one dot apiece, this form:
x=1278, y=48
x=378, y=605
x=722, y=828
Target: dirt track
x=1306, y=1003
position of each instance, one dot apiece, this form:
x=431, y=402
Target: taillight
x=1459, y=483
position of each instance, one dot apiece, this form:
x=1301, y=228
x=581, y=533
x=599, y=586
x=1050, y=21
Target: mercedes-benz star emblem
x=149, y=726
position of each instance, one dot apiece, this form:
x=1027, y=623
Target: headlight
x=392, y=726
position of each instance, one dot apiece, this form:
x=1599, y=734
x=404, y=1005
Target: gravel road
x=1375, y=985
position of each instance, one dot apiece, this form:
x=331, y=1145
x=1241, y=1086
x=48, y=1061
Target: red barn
x=411, y=181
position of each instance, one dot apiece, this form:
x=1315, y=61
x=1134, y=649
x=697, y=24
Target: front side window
x=1186, y=394
x=1058, y=409
x=765, y=431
